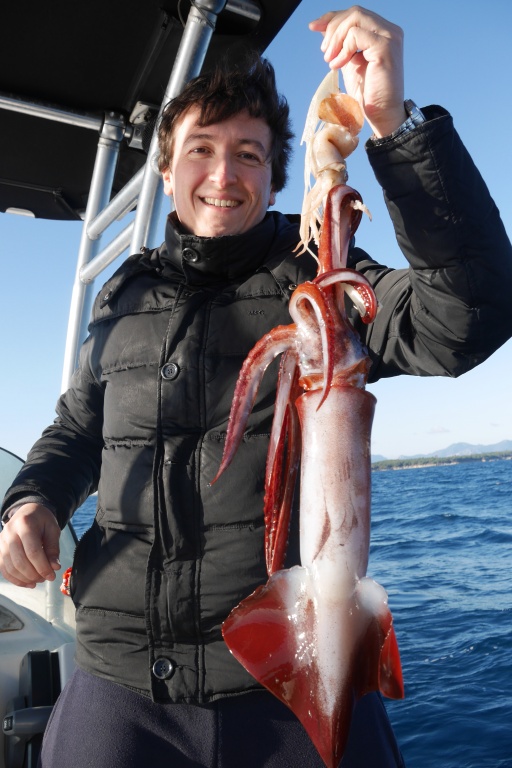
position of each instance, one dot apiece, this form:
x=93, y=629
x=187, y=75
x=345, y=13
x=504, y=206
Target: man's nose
x=223, y=170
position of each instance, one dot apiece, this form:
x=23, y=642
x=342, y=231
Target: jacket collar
x=203, y=260
x=268, y=246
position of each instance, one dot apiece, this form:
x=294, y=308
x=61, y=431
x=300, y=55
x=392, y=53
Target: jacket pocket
x=109, y=568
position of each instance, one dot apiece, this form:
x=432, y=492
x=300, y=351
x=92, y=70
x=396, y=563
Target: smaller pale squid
x=333, y=123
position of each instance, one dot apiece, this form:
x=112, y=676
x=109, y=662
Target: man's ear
x=272, y=198
x=168, y=182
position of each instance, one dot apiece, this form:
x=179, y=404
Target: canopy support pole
x=111, y=135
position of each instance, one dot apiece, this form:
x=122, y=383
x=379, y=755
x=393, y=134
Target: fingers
x=335, y=28
x=320, y=24
x=29, y=546
x=341, y=48
x=355, y=29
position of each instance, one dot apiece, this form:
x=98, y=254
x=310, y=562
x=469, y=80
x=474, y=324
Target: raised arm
x=449, y=311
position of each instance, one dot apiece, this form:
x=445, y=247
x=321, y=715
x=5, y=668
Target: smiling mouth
x=221, y=203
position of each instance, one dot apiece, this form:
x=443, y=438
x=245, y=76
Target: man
x=168, y=556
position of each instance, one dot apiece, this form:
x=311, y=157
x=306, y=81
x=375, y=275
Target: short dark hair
x=249, y=86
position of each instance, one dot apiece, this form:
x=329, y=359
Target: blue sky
x=456, y=55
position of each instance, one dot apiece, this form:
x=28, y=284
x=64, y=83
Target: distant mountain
x=462, y=449
x=377, y=457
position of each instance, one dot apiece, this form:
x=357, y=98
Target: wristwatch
x=415, y=117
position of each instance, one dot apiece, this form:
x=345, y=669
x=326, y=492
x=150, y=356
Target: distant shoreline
x=437, y=461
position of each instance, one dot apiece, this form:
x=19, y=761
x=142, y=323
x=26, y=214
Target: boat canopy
x=74, y=63
x=81, y=89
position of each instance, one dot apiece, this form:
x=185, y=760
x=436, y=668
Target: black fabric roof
x=95, y=56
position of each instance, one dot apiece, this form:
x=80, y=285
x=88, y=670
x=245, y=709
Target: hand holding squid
x=369, y=51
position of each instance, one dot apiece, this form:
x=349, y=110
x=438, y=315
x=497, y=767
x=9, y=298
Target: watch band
x=415, y=114
x=415, y=117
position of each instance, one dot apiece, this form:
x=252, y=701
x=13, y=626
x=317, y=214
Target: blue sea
x=442, y=548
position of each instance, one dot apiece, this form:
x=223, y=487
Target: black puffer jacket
x=168, y=556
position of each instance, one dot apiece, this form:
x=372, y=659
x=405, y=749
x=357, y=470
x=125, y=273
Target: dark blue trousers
x=99, y=724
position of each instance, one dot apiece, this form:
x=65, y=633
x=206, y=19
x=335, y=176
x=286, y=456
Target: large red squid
x=320, y=635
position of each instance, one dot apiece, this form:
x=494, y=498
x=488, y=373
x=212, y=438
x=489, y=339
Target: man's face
x=220, y=174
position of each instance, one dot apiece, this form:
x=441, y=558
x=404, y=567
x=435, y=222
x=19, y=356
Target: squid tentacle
x=286, y=388
x=253, y=369
x=356, y=286
x=282, y=468
x=311, y=295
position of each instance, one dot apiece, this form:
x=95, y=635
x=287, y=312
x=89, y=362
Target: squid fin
x=378, y=667
x=274, y=634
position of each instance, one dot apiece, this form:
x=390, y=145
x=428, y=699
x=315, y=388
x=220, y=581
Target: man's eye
x=199, y=151
x=250, y=157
